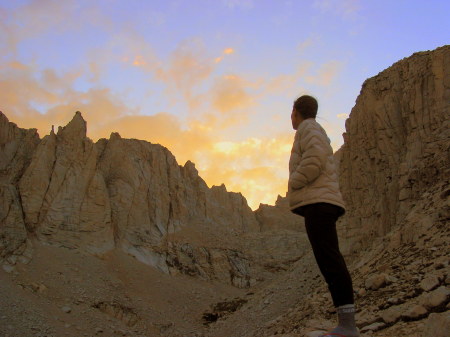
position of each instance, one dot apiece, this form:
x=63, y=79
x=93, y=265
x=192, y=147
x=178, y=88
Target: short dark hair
x=306, y=106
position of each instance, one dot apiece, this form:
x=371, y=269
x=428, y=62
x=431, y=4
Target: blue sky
x=214, y=81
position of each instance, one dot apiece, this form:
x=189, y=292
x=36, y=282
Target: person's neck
x=302, y=120
x=300, y=124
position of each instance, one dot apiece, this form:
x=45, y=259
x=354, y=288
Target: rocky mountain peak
x=75, y=129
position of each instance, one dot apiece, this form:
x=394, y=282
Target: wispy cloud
x=37, y=17
x=227, y=51
x=285, y=83
x=245, y=4
x=345, y=8
x=326, y=73
x=229, y=93
x=305, y=44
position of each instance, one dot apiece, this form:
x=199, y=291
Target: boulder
x=435, y=299
x=437, y=325
x=430, y=282
x=377, y=281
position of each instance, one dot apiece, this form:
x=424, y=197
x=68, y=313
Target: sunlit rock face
x=68, y=191
x=396, y=148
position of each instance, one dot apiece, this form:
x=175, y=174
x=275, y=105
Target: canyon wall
x=396, y=147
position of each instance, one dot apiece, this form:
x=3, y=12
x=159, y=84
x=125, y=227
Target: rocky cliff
x=68, y=191
x=396, y=147
x=16, y=148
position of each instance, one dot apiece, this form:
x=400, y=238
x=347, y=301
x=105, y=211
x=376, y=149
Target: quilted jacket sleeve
x=315, y=150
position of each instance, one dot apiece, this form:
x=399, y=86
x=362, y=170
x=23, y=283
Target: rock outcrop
x=396, y=147
x=68, y=191
x=16, y=148
x=279, y=217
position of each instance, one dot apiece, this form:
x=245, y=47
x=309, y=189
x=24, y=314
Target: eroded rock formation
x=16, y=148
x=396, y=146
x=68, y=191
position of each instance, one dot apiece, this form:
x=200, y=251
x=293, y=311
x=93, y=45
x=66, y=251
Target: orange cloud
x=257, y=167
x=21, y=92
x=229, y=93
x=161, y=128
x=226, y=51
x=187, y=66
x=139, y=61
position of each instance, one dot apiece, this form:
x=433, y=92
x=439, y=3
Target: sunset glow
x=213, y=81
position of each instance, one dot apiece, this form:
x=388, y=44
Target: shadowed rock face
x=16, y=148
x=396, y=145
x=279, y=217
x=67, y=191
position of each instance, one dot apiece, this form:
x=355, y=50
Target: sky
x=211, y=80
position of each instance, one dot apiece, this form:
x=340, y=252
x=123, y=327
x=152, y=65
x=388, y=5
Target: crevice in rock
x=222, y=309
x=118, y=311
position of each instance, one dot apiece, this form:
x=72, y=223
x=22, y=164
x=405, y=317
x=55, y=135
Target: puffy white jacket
x=312, y=173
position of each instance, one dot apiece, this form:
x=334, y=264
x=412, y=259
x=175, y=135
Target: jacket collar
x=305, y=123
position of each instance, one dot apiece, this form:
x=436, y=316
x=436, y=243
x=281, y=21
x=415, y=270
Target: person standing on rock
x=313, y=192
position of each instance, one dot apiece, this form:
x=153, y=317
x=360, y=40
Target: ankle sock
x=346, y=321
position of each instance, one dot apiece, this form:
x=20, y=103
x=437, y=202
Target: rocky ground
x=63, y=292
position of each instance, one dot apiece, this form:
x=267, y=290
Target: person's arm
x=316, y=149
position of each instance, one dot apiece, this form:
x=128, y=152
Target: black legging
x=320, y=221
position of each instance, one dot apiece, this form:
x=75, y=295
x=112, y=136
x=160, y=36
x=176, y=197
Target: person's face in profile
x=296, y=119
